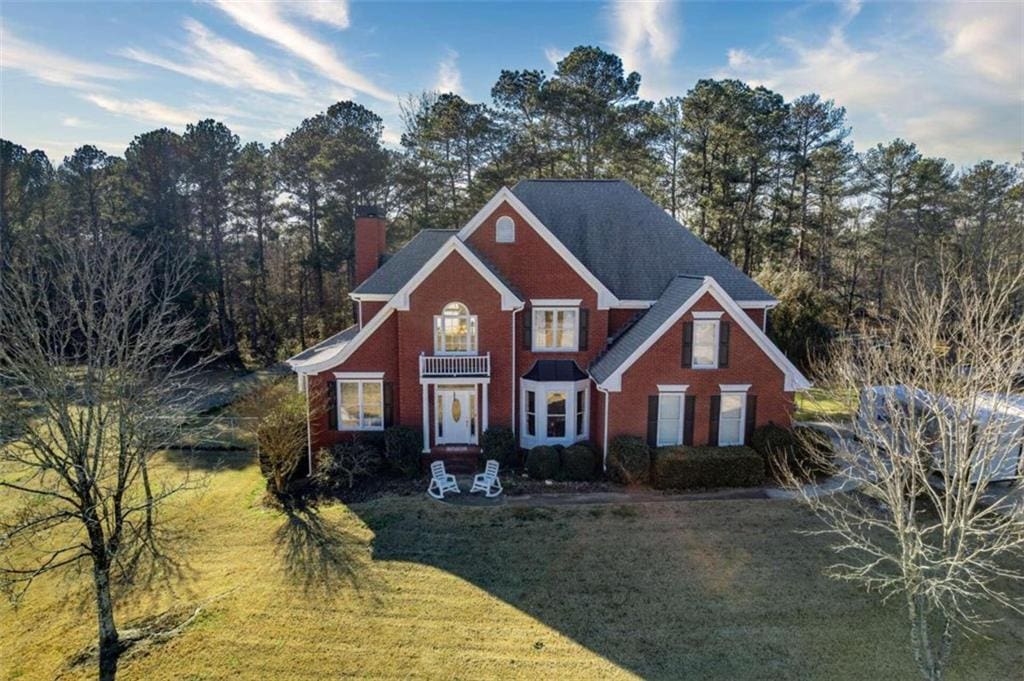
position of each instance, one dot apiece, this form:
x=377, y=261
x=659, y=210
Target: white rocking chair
x=441, y=481
x=487, y=482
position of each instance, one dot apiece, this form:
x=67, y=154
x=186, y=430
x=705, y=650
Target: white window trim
x=556, y=302
x=714, y=346
x=541, y=389
x=742, y=394
x=472, y=323
x=674, y=391
x=511, y=225
x=361, y=382
x=708, y=314
x=551, y=308
x=734, y=387
x=358, y=375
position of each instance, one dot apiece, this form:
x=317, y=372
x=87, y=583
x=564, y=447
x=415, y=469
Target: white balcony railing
x=455, y=365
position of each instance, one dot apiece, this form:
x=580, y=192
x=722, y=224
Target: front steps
x=458, y=459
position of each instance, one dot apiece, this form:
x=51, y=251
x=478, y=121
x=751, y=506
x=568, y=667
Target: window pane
x=439, y=415
x=704, y=342
x=730, y=424
x=732, y=405
x=350, y=404
x=567, y=329
x=373, y=406
x=556, y=414
x=581, y=397
x=669, y=414
x=531, y=412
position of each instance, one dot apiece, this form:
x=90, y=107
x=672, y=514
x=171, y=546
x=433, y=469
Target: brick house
x=567, y=310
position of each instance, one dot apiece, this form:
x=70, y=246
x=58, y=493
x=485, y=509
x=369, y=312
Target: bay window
x=554, y=412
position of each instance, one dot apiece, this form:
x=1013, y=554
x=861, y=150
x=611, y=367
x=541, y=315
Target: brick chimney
x=371, y=240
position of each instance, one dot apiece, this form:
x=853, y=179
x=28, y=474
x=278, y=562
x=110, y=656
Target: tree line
x=776, y=186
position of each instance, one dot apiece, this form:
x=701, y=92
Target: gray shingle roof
x=678, y=292
x=400, y=268
x=337, y=340
x=633, y=246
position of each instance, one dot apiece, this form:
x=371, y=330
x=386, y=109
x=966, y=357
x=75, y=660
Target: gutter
x=607, y=401
x=515, y=376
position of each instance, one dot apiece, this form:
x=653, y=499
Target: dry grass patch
x=405, y=587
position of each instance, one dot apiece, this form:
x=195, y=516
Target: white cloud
x=554, y=55
x=988, y=37
x=331, y=12
x=910, y=85
x=210, y=58
x=73, y=122
x=449, y=78
x=52, y=67
x=145, y=110
x=268, y=20
x=645, y=37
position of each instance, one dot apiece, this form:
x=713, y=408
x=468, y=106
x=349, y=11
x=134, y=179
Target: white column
x=426, y=418
x=484, y=427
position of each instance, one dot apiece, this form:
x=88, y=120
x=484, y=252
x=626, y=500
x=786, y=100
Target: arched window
x=455, y=331
x=505, y=230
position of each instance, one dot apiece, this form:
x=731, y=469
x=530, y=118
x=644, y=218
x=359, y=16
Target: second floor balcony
x=442, y=366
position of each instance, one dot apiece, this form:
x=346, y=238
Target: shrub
x=402, y=446
x=700, y=467
x=629, y=460
x=542, y=463
x=803, y=451
x=346, y=463
x=281, y=438
x=579, y=462
x=499, y=443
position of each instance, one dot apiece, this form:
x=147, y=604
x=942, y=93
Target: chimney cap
x=369, y=211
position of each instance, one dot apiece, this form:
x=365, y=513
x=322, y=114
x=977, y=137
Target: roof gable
x=400, y=267
x=680, y=295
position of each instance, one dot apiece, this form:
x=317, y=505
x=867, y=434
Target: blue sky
x=949, y=77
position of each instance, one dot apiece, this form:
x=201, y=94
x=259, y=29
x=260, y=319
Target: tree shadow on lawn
x=708, y=590
x=320, y=554
x=209, y=461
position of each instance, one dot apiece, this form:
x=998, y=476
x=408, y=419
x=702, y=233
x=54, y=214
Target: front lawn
x=825, y=404
x=407, y=587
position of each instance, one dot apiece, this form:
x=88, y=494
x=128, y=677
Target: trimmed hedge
x=807, y=452
x=579, y=462
x=629, y=460
x=402, y=446
x=703, y=467
x=499, y=443
x=542, y=463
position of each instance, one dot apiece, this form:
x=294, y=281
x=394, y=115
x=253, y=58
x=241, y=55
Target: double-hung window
x=670, y=418
x=731, y=418
x=361, y=405
x=555, y=329
x=705, y=343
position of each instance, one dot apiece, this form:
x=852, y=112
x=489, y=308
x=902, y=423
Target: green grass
x=825, y=404
x=406, y=587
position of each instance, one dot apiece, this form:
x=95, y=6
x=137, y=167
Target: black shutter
x=389, y=404
x=652, y=420
x=528, y=329
x=687, y=345
x=716, y=409
x=723, y=344
x=332, y=404
x=691, y=408
x=584, y=328
x=751, y=418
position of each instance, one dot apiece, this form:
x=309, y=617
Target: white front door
x=456, y=416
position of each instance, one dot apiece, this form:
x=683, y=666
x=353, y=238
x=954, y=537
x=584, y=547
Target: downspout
x=309, y=430
x=515, y=376
x=604, y=437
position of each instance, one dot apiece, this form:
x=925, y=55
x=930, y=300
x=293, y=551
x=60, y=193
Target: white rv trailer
x=998, y=417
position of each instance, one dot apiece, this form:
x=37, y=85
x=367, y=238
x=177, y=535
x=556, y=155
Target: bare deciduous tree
x=94, y=345
x=927, y=523
x=281, y=433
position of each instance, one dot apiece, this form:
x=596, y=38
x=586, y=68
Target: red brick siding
x=757, y=314
x=370, y=310
x=661, y=364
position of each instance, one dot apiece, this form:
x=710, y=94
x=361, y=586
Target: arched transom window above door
x=455, y=331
